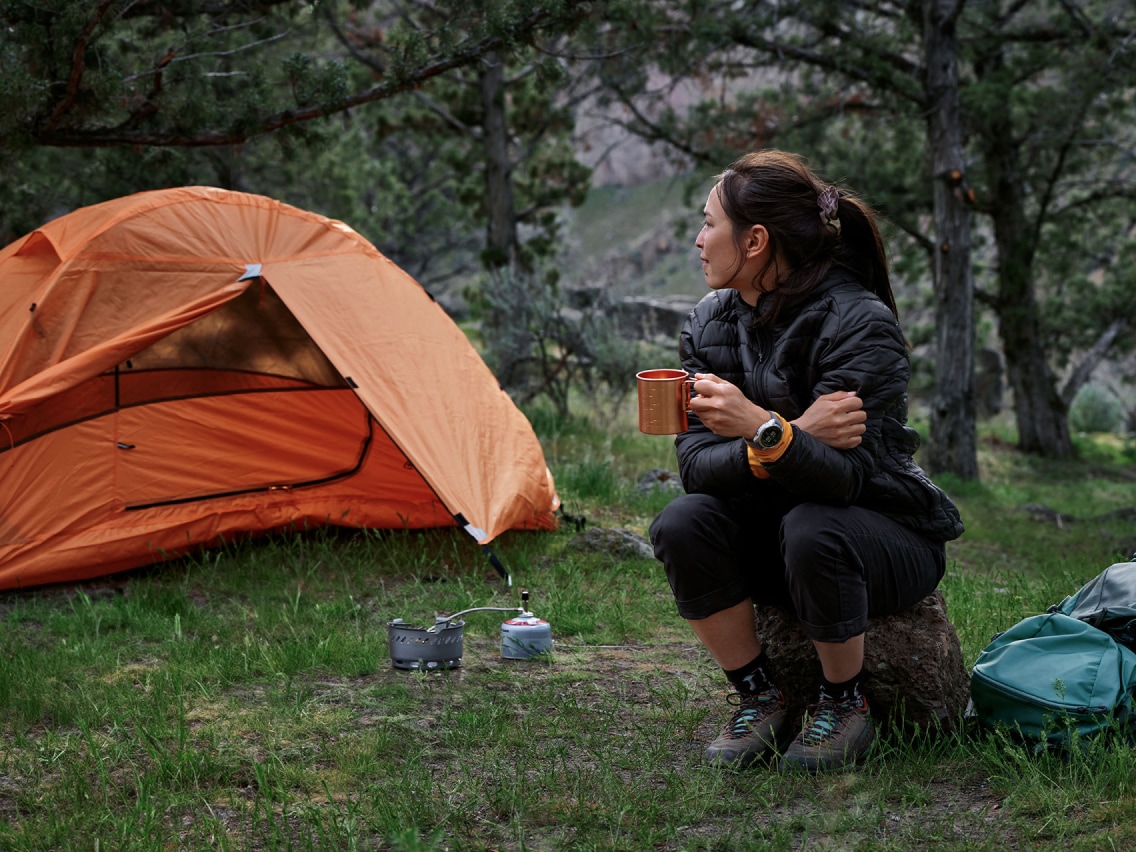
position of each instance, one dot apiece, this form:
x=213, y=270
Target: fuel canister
x=525, y=636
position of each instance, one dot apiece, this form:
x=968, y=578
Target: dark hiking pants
x=834, y=566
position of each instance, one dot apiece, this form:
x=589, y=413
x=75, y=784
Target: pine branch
x=128, y=134
x=904, y=83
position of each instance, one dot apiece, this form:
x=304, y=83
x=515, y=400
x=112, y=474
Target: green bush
x=1094, y=409
x=539, y=346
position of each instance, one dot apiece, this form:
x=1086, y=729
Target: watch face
x=769, y=435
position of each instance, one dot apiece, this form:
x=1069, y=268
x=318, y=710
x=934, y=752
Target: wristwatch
x=768, y=434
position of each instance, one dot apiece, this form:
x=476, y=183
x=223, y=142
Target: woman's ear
x=757, y=240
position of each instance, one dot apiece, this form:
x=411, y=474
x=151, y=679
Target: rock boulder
x=914, y=674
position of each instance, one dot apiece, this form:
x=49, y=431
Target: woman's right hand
x=836, y=419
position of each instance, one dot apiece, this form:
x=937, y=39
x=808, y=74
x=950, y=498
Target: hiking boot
x=751, y=731
x=836, y=734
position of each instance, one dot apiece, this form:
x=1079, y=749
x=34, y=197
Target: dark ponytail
x=812, y=227
x=860, y=249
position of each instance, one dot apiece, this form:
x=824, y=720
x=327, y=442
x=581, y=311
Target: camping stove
x=437, y=647
x=440, y=645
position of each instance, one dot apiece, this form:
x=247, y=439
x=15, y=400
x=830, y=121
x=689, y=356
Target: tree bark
x=953, y=444
x=1041, y=413
x=501, y=215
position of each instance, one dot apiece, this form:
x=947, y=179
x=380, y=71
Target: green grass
x=244, y=699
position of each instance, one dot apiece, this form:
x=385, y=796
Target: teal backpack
x=1068, y=673
x=1107, y=602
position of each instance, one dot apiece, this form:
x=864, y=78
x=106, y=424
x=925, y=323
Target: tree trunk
x=1041, y=413
x=953, y=444
x=501, y=236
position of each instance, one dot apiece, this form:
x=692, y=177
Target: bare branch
x=1047, y=195
x=909, y=71
x=916, y=235
x=1011, y=11
x=168, y=60
x=356, y=53
x=527, y=71
x=1084, y=370
x=446, y=116
x=1092, y=198
x=77, y=60
x=655, y=132
x=1077, y=16
x=985, y=297
x=1045, y=34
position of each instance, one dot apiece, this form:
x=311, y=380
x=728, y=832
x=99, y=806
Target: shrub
x=538, y=346
x=1095, y=409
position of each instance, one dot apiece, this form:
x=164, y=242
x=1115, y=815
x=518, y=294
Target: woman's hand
x=836, y=419
x=724, y=409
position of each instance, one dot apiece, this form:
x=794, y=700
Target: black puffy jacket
x=843, y=338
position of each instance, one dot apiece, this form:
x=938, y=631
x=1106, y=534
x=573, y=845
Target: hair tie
x=828, y=200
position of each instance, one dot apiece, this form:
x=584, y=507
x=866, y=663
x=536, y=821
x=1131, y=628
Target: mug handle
x=687, y=393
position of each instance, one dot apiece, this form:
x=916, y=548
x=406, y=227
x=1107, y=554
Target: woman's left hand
x=724, y=409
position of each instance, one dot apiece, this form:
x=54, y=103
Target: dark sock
x=841, y=691
x=754, y=676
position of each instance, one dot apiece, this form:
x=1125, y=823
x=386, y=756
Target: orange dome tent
x=185, y=365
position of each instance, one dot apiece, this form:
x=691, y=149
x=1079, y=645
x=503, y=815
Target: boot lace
x=752, y=708
x=827, y=718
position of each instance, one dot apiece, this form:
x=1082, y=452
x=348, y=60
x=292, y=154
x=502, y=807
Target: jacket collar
x=836, y=277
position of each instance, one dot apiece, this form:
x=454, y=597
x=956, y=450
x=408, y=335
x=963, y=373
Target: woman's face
x=723, y=264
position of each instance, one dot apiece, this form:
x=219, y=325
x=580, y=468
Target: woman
x=800, y=486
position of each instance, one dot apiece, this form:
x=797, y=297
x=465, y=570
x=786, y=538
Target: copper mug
x=664, y=399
